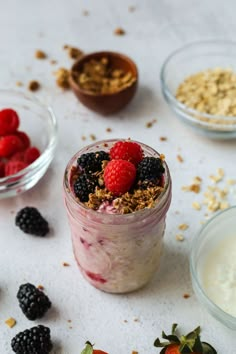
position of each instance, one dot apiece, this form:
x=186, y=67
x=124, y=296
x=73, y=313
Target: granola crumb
x=163, y=138
x=69, y=321
x=108, y=130
x=62, y=78
x=183, y=227
x=39, y=54
x=136, y=319
x=125, y=321
x=196, y=206
x=186, y=296
x=151, y=123
x=65, y=264
x=92, y=137
x=19, y=83
x=180, y=158
x=40, y=287
x=131, y=8
x=119, y=31
x=162, y=157
x=83, y=137
x=134, y=352
x=85, y=12
x=179, y=237
x=10, y=322
x=34, y=85
x=53, y=62
x=74, y=53
x=65, y=46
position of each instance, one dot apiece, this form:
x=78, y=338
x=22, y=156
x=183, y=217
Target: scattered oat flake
x=69, y=321
x=224, y=205
x=40, y=287
x=10, y=322
x=39, y=54
x=19, y=83
x=53, y=61
x=231, y=182
x=136, y=320
x=162, y=157
x=183, y=227
x=186, y=296
x=119, y=31
x=163, y=138
x=180, y=158
x=92, y=137
x=85, y=13
x=134, y=352
x=149, y=124
x=196, y=206
x=108, y=130
x=34, y=85
x=65, y=264
x=179, y=237
x=83, y=137
x=65, y=46
x=125, y=321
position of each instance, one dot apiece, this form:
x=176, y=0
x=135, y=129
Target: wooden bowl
x=105, y=103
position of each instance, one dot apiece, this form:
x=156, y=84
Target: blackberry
x=150, y=168
x=84, y=185
x=33, y=302
x=31, y=222
x=36, y=340
x=92, y=161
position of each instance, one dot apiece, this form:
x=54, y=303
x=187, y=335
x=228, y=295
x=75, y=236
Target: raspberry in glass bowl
x=28, y=134
x=117, y=194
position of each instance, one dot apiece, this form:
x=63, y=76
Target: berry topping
x=31, y=222
x=31, y=154
x=150, y=168
x=2, y=169
x=24, y=138
x=92, y=161
x=119, y=176
x=18, y=156
x=9, y=145
x=84, y=185
x=127, y=150
x=12, y=167
x=36, y=340
x=191, y=343
x=9, y=121
x=33, y=302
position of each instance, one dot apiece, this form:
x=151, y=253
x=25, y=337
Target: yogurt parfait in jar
x=117, y=194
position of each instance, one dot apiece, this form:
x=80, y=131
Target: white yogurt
x=219, y=275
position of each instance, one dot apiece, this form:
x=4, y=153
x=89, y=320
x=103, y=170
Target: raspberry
x=2, y=169
x=127, y=150
x=18, y=156
x=12, y=167
x=31, y=154
x=9, y=121
x=119, y=176
x=9, y=145
x=24, y=138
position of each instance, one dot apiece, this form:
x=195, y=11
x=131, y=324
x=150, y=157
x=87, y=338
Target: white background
x=153, y=30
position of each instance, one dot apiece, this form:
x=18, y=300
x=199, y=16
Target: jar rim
x=160, y=202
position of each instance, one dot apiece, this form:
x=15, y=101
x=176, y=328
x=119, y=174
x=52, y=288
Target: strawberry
x=10, y=144
x=24, y=138
x=189, y=344
x=12, y=167
x=9, y=121
x=127, y=150
x=2, y=169
x=119, y=176
x=31, y=154
x=89, y=349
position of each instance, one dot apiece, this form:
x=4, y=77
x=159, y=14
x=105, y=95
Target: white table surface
x=154, y=29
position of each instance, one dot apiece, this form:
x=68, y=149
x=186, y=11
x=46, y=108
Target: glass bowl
x=216, y=230
x=188, y=60
x=39, y=123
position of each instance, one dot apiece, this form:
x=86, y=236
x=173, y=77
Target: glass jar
x=116, y=253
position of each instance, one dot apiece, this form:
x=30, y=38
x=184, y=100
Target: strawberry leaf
x=194, y=334
x=171, y=337
x=208, y=349
x=198, y=346
x=88, y=348
x=184, y=349
x=160, y=344
x=173, y=329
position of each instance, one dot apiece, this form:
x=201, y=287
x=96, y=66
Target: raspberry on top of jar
x=122, y=180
